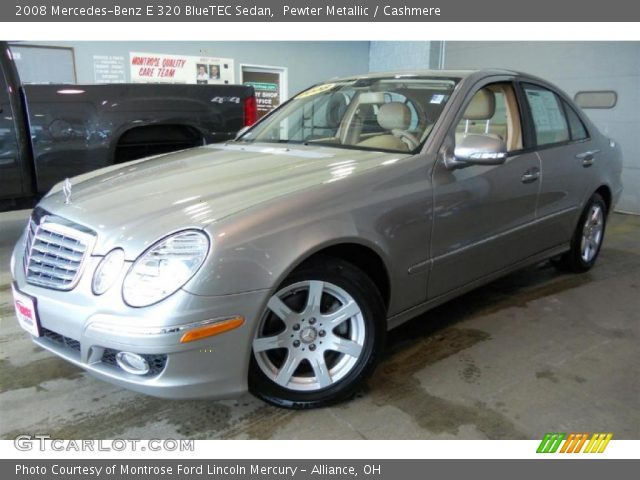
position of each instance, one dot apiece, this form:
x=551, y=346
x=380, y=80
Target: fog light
x=132, y=363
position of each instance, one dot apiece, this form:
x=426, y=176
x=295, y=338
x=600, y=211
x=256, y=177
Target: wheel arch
x=189, y=134
x=353, y=251
x=366, y=257
x=605, y=192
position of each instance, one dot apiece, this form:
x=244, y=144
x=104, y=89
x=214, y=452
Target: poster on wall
x=163, y=68
x=267, y=87
x=109, y=69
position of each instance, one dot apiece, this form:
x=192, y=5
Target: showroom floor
x=534, y=352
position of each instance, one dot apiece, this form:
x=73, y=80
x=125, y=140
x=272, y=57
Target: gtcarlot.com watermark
x=44, y=443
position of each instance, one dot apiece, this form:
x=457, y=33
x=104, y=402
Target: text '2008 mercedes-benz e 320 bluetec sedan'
x=275, y=263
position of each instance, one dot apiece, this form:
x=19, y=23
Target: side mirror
x=475, y=149
x=241, y=132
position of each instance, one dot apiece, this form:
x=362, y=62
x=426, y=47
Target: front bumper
x=85, y=330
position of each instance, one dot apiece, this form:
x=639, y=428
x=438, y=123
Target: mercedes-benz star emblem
x=66, y=190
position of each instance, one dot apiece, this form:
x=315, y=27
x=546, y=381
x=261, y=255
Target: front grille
x=61, y=340
x=156, y=362
x=55, y=249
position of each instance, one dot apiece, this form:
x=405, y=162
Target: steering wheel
x=408, y=138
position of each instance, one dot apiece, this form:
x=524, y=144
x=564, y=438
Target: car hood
x=134, y=204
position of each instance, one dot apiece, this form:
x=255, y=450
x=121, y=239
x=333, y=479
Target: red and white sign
x=26, y=312
x=162, y=68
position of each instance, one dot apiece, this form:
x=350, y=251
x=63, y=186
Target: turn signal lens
x=212, y=329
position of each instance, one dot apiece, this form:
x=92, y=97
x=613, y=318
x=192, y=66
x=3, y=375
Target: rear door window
x=548, y=115
x=576, y=127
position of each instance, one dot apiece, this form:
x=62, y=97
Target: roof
x=432, y=73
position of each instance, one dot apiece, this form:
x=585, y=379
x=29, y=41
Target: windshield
x=390, y=114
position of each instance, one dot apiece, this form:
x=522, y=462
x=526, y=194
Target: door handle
x=530, y=175
x=587, y=157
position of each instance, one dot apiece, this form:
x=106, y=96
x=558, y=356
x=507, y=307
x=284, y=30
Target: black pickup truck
x=50, y=132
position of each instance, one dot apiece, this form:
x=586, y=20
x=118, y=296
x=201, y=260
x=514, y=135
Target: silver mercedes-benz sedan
x=275, y=263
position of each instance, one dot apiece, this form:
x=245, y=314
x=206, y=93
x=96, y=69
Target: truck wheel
x=320, y=337
x=587, y=238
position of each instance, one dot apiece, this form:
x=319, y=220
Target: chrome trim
x=48, y=259
x=419, y=267
x=412, y=312
x=66, y=191
x=588, y=153
x=129, y=330
x=506, y=232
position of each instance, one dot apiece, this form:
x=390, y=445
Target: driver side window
x=493, y=111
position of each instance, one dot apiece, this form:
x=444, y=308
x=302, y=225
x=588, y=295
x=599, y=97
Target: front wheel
x=587, y=238
x=320, y=337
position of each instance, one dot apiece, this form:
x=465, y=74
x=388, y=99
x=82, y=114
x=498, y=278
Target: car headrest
x=394, y=115
x=482, y=106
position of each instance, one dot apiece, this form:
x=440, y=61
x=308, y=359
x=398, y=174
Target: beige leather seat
x=504, y=125
x=394, y=117
x=481, y=108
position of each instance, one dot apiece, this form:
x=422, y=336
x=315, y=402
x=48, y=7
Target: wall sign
x=596, y=99
x=109, y=69
x=163, y=68
x=268, y=85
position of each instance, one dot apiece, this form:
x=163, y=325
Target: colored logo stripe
x=598, y=442
x=550, y=443
x=574, y=442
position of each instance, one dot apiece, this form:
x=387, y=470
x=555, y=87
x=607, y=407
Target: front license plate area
x=26, y=311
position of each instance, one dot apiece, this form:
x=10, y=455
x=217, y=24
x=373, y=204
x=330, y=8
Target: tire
x=587, y=238
x=299, y=359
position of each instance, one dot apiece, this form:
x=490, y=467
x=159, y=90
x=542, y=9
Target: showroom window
x=548, y=117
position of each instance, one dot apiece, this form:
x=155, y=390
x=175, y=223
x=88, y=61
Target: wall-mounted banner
x=164, y=68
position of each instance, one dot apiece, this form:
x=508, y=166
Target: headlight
x=107, y=272
x=165, y=268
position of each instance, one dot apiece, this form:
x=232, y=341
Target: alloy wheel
x=592, y=233
x=311, y=336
